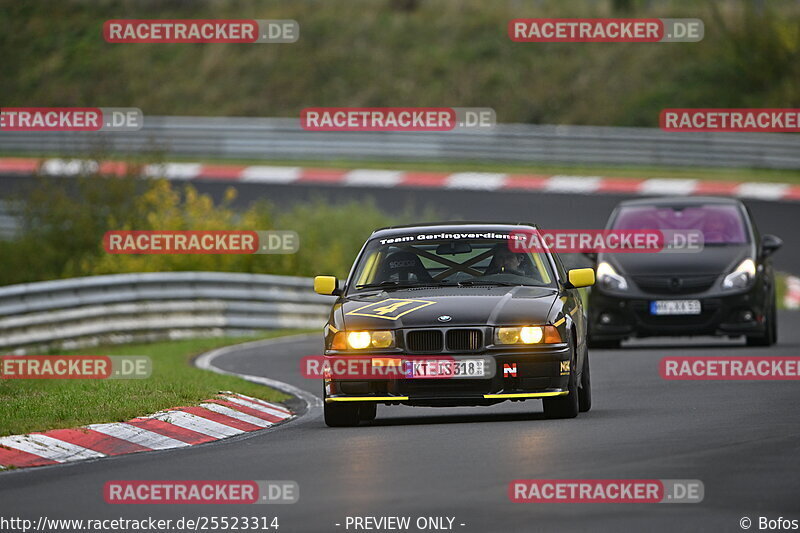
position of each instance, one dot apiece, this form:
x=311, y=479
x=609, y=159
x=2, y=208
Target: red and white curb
x=479, y=181
x=227, y=415
x=792, y=298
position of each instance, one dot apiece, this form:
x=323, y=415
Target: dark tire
x=564, y=406
x=367, y=411
x=613, y=344
x=341, y=414
x=770, y=335
x=585, y=387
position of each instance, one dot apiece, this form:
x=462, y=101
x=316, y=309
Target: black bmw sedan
x=465, y=320
x=725, y=289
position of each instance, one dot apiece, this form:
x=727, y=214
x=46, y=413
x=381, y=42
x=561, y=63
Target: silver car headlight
x=608, y=278
x=742, y=275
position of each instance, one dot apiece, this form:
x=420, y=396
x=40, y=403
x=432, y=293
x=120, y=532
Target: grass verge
x=40, y=405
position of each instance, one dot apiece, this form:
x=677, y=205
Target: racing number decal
x=391, y=309
x=564, y=367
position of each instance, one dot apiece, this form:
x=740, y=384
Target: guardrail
x=283, y=138
x=78, y=312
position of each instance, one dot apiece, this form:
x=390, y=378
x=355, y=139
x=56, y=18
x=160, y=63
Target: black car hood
x=466, y=306
x=714, y=260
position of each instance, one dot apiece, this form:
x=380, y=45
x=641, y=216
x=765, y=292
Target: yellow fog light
x=531, y=334
x=508, y=335
x=382, y=339
x=358, y=340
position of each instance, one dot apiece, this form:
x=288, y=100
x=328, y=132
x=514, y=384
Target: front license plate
x=675, y=307
x=448, y=368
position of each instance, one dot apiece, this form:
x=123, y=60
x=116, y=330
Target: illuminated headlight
x=741, y=276
x=527, y=335
x=608, y=278
x=361, y=340
x=358, y=340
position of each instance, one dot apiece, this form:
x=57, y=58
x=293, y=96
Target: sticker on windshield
x=446, y=236
x=390, y=309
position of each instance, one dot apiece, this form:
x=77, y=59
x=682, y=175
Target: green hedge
x=64, y=223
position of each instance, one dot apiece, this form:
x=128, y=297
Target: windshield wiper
x=395, y=285
x=470, y=283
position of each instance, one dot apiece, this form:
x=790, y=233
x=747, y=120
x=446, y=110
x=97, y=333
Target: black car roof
x=665, y=201
x=471, y=227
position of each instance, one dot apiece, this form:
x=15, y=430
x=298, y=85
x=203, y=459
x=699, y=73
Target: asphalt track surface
x=741, y=439
x=548, y=210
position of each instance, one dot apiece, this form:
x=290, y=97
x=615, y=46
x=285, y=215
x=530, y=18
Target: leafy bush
x=64, y=224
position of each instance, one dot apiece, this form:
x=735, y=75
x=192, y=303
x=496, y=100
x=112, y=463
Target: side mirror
x=326, y=285
x=770, y=244
x=580, y=277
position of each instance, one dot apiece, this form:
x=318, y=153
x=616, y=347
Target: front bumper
x=616, y=317
x=540, y=373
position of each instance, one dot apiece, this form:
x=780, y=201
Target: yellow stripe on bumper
x=527, y=395
x=368, y=399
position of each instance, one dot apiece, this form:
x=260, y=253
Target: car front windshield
x=719, y=224
x=424, y=260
